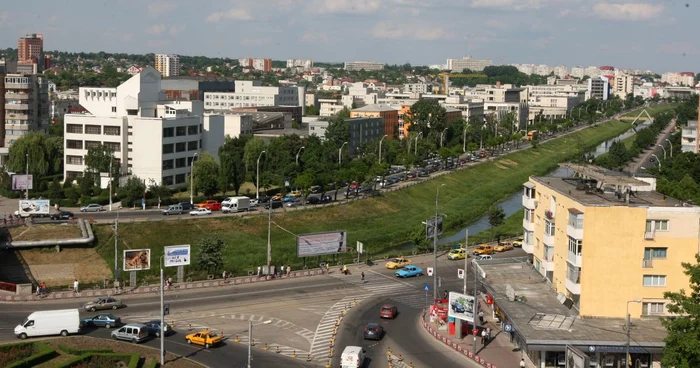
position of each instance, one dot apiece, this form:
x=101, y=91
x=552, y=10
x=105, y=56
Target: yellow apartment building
x=603, y=239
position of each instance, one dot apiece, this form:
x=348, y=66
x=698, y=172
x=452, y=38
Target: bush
x=153, y=363
x=102, y=360
x=44, y=353
x=85, y=200
x=73, y=351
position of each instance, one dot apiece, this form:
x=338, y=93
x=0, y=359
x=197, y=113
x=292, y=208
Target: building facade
x=599, y=87
x=187, y=88
x=30, y=48
x=263, y=65
x=253, y=94
x=26, y=105
x=362, y=130
x=168, y=65
x=679, y=79
x=475, y=65
x=388, y=114
x=624, y=85
x=366, y=65
x=305, y=64
x=689, y=137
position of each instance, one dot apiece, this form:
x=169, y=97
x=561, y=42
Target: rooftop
x=543, y=320
x=376, y=108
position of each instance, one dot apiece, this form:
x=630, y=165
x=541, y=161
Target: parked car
x=277, y=197
x=295, y=193
x=503, y=247
x=373, y=331
x=186, y=206
x=134, y=332
x=456, y=254
x=518, y=243
x=315, y=189
x=484, y=257
x=411, y=175
x=326, y=199
x=388, y=311
x=254, y=202
x=354, y=186
x=274, y=204
x=174, y=209
x=313, y=200
x=92, y=208
x=293, y=203
x=106, y=320
x=399, y=262
x=205, y=338
x=288, y=198
x=409, y=271
x=103, y=302
x=483, y=249
x=62, y=215
x=154, y=328
x=200, y=212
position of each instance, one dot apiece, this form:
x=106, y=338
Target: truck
x=52, y=322
x=236, y=204
x=353, y=357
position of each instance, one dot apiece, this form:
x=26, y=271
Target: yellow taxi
x=277, y=197
x=518, y=243
x=399, y=262
x=295, y=193
x=456, y=254
x=483, y=249
x=502, y=247
x=205, y=338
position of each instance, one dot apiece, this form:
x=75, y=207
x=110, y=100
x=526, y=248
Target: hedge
x=132, y=359
x=153, y=363
x=45, y=353
x=72, y=351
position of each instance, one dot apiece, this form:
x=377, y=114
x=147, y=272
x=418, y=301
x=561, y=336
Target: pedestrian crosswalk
x=379, y=284
x=321, y=344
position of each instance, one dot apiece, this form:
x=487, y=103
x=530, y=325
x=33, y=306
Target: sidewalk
x=638, y=161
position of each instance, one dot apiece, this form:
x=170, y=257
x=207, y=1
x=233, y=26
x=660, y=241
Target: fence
x=8, y=286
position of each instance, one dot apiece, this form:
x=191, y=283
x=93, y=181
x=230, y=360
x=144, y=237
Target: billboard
x=177, y=255
x=137, y=259
x=461, y=307
x=576, y=358
x=20, y=182
x=430, y=227
x=319, y=244
x=34, y=207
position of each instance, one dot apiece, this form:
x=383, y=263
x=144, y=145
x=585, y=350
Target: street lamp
x=464, y=139
x=663, y=148
x=380, y=148
x=415, y=152
x=302, y=147
x=110, y=183
x=257, y=176
x=627, y=346
x=670, y=145
x=435, y=231
x=340, y=151
x=657, y=160
x=26, y=182
x=442, y=135
x=192, y=178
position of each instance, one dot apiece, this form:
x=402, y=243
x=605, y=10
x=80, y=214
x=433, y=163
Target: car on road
x=484, y=257
x=106, y=320
x=326, y=199
x=134, y=332
x=293, y=203
x=288, y=198
x=373, y=331
x=103, y=302
x=412, y=175
x=456, y=254
x=295, y=193
x=274, y=204
x=518, y=243
x=174, y=209
x=399, y=262
x=503, y=247
x=211, y=205
x=200, y=212
x=483, y=249
x=409, y=271
x=93, y=207
x=388, y=311
x=154, y=328
x=205, y=338
x=277, y=197
x=254, y=202
x=313, y=200
x=62, y=215
x=186, y=206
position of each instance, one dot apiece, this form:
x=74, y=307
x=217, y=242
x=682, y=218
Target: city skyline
x=552, y=32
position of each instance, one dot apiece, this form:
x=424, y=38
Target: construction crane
x=446, y=80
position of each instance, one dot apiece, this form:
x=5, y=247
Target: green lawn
x=651, y=110
x=381, y=223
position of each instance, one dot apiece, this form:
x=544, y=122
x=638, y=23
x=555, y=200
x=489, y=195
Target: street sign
x=426, y=287
x=591, y=349
x=507, y=327
x=430, y=271
x=360, y=247
x=177, y=255
x=460, y=274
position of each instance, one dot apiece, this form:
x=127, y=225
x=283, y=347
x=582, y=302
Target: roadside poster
x=461, y=307
x=319, y=244
x=137, y=259
x=21, y=181
x=34, y=207
x=432, y=225
x=177, y=255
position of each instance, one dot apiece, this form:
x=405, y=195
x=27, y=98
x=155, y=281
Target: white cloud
x=628, y=11
x=405, y=31
x=156, y=29
x=343, y=6
x=232, y=14
x=175, y=30
x=6, y=19
x=516, y=4
x=160, y=7
x=315, y=37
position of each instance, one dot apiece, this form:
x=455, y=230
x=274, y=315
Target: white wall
x=213, y=135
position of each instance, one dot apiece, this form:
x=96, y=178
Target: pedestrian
x=445, y=295
x=224, y=275
x=289, y=270
x=488, y=334
x=281, y=270
x=363, y=277
x=259, y=270
x=481, y=317
x=483, y=337
x=522, y=363
x=75, y=286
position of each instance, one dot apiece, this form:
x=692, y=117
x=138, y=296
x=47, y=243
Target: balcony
x=649, y=235
x=575, y=259
x=573, y=287
x=647, y=263
x=528, y=225
x=18, y=86
x=15, y=116
x=17, y=96
x=548, y=240
x=529, y=203
x=548, y=265
x=16, y=107
x=574, y=232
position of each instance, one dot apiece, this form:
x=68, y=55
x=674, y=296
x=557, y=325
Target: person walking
x=481, y=317
x=522, y=363
x=483, y=337
x=289, y=270
x=445, y=294
x=75, y=286
x=488, y=335
x=259, y=270
x=281, y=270
x=363, y=277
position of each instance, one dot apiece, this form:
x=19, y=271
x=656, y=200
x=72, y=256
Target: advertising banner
x=319, y=244
x=20, y=182
x=34, y=207
x=461, y=307
x=432, y=225
x=137, y=259
x=177, y=255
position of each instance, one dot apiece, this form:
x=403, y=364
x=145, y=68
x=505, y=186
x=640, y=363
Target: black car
x=187, y=206
x=275, y=204
x=326, y=199
x=313, y=200
x=373, y=331
x=62, y=215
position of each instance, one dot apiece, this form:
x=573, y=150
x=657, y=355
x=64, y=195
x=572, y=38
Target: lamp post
x=380, y=148
x=162, y=315
x=663, y=148
x=257, y=176
x=26, y=182
x=464, y=139
x=670, y=145
x=415, y=152
x=627, y=346
x=192, y=178
x=302, y=147
x=657, y=160
x=435, y=231
x=269, y=244
x=442, y=135
x=340, y=152
x=110, y=184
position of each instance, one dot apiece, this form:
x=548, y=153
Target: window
x=657, y=225
x=114, y=109
x=179, y=178
x=168, y=148
x=74, y=160
x=549, y=254
x=181, y=162
x=181, y=131
x=167, y=164
x=575, y=246
x=112, y=130
x=167, y=180
x=192, y=146
x=92, y=144
x=180, y=147
x=653, y=308
x=192, y=129
x=74, y=128
x=654, y=253
x=576, y=220
x=654, y=280
x=168, y=132
x=549, y=228
x=529, y=215
x=93, y=129
x=114, y=146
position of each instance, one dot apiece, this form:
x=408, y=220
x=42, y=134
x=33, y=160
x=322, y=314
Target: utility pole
x=26, y=182
x=110, y=185
x=476, y=304
x=435, y=235
x=250, y=338
x=269, y=246
x=466, y=257
x=116, y=240
x=162, y=316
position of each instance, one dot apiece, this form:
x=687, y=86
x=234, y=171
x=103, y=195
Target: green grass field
x=381, y=223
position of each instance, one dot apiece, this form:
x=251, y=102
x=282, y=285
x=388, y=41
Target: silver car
x=103, y=302
x=92, y=208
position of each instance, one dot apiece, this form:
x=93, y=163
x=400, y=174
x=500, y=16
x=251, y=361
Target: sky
x=659, y=35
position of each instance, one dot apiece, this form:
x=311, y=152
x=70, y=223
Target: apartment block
x=468, y=107
x=362, y=130
x=263, y=65
x=305, y=64
x=330, y=106
x=623, y=85
x=603, y=239
x=467, y=62
x=26, y=105
x=389, y=115
x=690, y=138
x=504, y=99
x=252, y=94
x=30, y=48
x=168, y=65
x=360, y=65
x=152, y=138
x=599, y=87
x=679, y=79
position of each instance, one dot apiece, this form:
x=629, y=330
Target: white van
x=54, y=322
x=235, y=204
x=353, y=357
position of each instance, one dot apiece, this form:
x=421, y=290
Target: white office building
x=679, y=79
x=467, y=62
x=253, y=94
x=624, y=85
x=168, y=65
x=599, y=88
x=152, y=138
x=305, y=64
x=366, y=65
x=689, y=137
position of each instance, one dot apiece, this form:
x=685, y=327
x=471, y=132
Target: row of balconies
x=16, y=107
x=18, y=96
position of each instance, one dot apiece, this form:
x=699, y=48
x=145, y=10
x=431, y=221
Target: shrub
x=73, y=351
x=44, y=353
x=98, y=360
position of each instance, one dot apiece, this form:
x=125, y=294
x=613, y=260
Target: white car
x=484, y=257
x=200, y=212
x=92, y=208
x=254, y=202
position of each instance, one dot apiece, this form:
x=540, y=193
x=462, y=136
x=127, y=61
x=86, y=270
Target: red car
x=354, y=185
x=388, y=311
x=211, y=205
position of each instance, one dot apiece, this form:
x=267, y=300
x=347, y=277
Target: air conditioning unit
x=609, y=361
x=593, y=362
x=643, y=363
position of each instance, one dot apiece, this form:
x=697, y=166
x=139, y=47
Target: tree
x=97, y=159
x=159, y=191
x=45, y=155
x=210, y=256
x=344, y=113
x=206, y=174
x=133, y=191
x=496, y=216
x=253, y=148
x=682, y=348
x=231, y=156
x=337, y=132
x=312, y=110
x=426, y=115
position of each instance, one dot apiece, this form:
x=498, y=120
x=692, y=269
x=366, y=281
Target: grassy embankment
x=380, y=223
